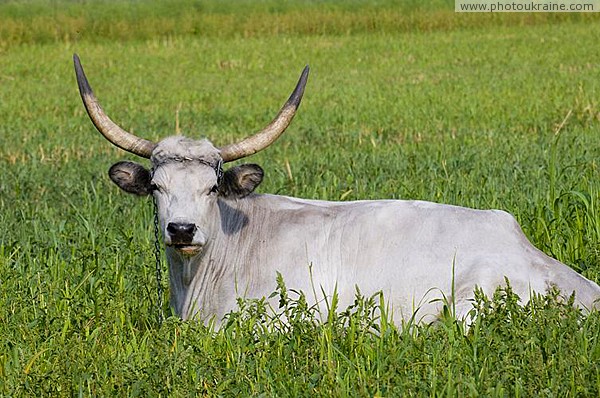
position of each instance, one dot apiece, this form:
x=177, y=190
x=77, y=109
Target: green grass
x=42, y=21
x=423, y=104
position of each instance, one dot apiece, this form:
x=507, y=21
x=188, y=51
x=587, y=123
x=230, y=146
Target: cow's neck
x=200, y=279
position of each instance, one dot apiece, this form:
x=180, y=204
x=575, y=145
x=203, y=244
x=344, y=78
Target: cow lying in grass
x=224, y=241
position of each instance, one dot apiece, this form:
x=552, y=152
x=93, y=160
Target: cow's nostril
x=181, y=233
x=175, y=228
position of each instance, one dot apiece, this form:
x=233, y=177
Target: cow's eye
x=154, y=187
x=214, y=189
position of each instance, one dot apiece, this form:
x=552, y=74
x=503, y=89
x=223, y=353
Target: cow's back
x=413, y=251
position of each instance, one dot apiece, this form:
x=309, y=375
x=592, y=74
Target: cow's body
x=223, y=241
x=407, y=249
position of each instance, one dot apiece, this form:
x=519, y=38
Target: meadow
x=405, y=100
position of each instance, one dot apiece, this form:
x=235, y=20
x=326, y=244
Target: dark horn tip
x=296, y=96
x=82, y=82
x=76, y=61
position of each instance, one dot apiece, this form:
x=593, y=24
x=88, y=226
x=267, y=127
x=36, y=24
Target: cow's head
x=186, y=176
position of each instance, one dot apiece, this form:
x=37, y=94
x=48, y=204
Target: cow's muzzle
x=181, y=237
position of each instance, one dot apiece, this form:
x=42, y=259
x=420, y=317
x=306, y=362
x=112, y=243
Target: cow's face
x=185, y=173
x=186, y=185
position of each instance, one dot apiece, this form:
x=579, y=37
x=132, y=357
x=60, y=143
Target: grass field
x=404, y=101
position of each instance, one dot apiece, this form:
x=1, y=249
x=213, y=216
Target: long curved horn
x=109, y=129
x=265, y=137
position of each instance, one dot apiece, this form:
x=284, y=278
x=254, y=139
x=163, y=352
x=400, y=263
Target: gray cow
x=224, y=241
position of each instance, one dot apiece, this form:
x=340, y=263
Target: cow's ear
x=240, y=181
x=131, y=177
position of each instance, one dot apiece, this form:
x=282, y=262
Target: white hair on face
x=180, y=148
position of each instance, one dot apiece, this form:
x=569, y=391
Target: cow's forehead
x=182, y=149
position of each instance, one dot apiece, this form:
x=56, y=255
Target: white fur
x=410, y=250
